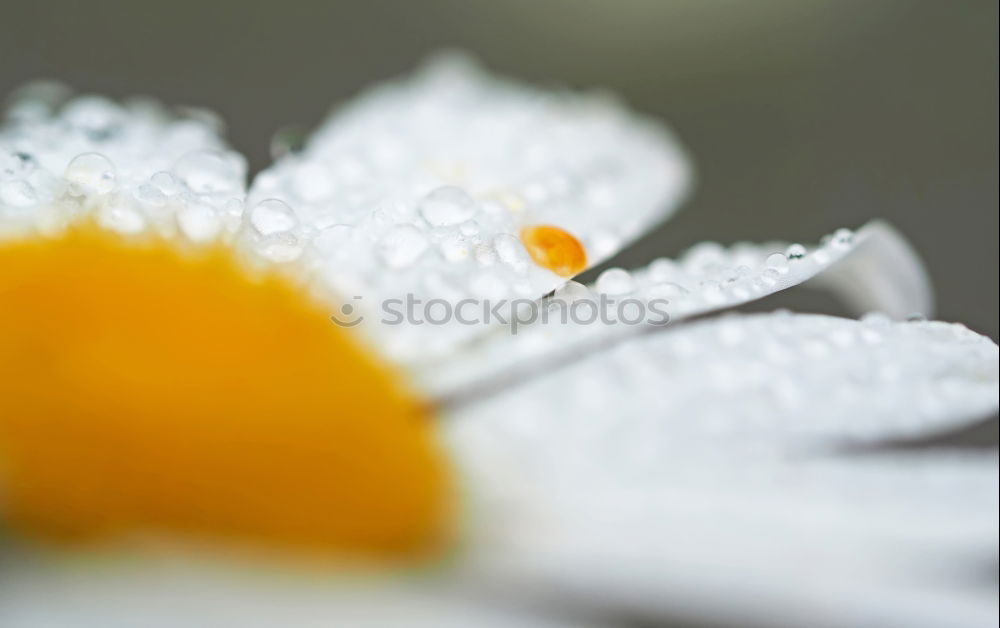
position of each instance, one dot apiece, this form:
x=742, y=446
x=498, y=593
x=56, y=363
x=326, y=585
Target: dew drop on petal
x=711, y=291
x=233, y=207
x=795, y=252
x=166, y=183
x=573, y=291
x=469, y=228
x=447, y=206
x=485, y=255
x=876, y=319
x=91, y=173
x=454, y=248
x=272, y=216
x=667, y=290
x=122, y=218
x=777, y=261
x=615, y=281
x=842, y=237
x=209, y=172
x=401, y=246
x=281, y=246
x=17, y=194
x=555, y=249
x=510, y=250
x=663, y=269
x=148, y=194
x=95, y=116
x=199, y=222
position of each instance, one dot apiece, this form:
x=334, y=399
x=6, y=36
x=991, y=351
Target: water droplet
x=510, y=251
x=555, y=249
x=667, y=290
x=122, y=218
x=876, y=319
x=454, y=248
x=16, y=164
x=233, y=207
x=45, y=184
x=37, y=100
x=447, y=206
x=150, y=195
x=17, y=194
x=209, y=172
x=469, y=228
x=615, y=281
x=842, y=237
x=272, y=216
x=486, y=255
x=91, y=173
x=199, y=222
x=711, y=292
x=795, y=252
x=663, y=269
x=705, y=257
x=281, y=247
x=402, y=246
x=572, y=291
x=777, y=261
x=95, y=116
x=166, y=183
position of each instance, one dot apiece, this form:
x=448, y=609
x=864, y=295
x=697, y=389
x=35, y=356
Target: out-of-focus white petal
x=708, y=463
x=895, y=540
x=135, y=166
x=421, y=186
x=873, y=269
x=169, y=592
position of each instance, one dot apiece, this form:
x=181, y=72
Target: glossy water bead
x=555, y=249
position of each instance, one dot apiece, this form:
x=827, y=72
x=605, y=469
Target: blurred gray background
x=801, y=115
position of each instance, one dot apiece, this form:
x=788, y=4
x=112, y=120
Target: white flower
x=168, y=367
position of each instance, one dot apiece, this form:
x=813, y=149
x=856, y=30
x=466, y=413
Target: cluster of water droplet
x=706, y=278
x=134, y=166
x=421, y=186
x=710, y=276
x=761, y=384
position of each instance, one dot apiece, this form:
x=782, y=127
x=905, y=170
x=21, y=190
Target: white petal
x=133, y=165
x=166, y=592
x=422, y=185
x=827, y=542
x=704, y=470
x=781, y=379
x=874, y=269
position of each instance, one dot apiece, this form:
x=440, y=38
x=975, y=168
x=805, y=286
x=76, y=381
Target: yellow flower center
x=555, y=249
x=147, y=389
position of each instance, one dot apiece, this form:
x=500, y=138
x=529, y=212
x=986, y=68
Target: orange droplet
x=555, y=249
x=143, y=389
